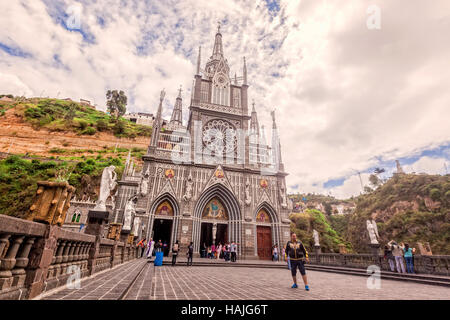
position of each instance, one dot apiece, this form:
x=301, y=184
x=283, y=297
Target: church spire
x=218, y=49
x=254, y=126
x=177, y=113
x=199, y=58
x=245, y=72
x=157, y=122
x=276, y=147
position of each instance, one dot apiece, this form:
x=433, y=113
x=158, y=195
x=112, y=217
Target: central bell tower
x=220, y=105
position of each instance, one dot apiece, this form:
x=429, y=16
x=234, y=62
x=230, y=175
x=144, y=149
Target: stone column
x=40, y=260
x=8, y=263
x=21, y=263
x=375, y=251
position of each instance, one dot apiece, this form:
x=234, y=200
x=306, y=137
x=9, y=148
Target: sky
x=356, y=84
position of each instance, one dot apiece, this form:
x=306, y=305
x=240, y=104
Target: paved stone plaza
x=216, y=283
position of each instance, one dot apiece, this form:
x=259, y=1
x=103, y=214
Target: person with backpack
x=141, y=244
x=175, y=249
x=190, y=253
x=397, y=252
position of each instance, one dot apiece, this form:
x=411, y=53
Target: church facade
x=215, y=180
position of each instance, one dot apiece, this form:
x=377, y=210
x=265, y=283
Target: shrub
x=82, y=124
x=435, y=194
x=102, y=125
x=89, y=131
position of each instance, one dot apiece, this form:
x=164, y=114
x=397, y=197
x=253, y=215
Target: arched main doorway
x=216, y=217
x=214, y=223
x=267, y=231
x=163, y=222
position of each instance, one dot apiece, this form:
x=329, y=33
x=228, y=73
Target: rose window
x=219, y=136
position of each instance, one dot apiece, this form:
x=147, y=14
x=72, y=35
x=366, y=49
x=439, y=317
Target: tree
x=116, y=102
x=374, y=180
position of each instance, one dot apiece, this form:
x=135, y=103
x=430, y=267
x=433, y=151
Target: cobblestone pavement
x=108, y=285
x=236, y=283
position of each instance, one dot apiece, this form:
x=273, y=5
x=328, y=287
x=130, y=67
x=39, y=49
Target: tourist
x=228, y=253
x=297, y=254
x=190, y=253
x=398, y=256
x=203, y=251
x=165, y=248
x=408, y=254
x=175, y=249
x=209, y=253
x=213, y=251
x=233, y=249
x=275, y=253
x=283, y=253
x=141, y=244
x=389, y=257
x=150, y=248
x=158, y=246
x=219, y=251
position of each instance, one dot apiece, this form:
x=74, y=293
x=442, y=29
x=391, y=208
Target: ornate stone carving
x=283, y=196
x=107, y=184
x=188, y=192
x=130, y=211
x=316, y=237
x=248, y=198
x=373, y=231
x=143, y=187
x=51, y=202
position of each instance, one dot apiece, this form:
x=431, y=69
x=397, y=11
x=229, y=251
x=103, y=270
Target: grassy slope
x=304, y=223
x=62, y=115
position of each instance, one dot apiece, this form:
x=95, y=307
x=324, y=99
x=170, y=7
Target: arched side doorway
x=231, y=215
x=267, y=231
x=164, y=220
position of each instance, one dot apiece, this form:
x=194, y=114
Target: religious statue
x=113, y=200
x=373, y=231
x=248, y=199
x=136, y=223
x=316, y=238
x=107, y=184
x=143, y=190
x=283, y=197
x=130, y=210
x=188, y=192
x=214, y=231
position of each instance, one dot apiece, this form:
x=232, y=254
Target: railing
x=437, y=265
x=36, y=257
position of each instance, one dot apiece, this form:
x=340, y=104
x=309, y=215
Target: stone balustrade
x=37, y=257
x=437, y=265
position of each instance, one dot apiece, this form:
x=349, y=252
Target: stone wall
x=423, y=264
x=36, y=257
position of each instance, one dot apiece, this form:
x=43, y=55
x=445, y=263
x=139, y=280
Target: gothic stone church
x=214, y=180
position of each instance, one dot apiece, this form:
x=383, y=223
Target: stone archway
x=231, y=206
x=266, y=222
x=164, y=209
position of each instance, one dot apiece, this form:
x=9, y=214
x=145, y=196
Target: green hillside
x=64, y=115
x=18, y=178
x=410, y=208
x=303, y=225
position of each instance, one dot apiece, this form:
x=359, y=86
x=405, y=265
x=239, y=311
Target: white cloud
x=344, y=94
